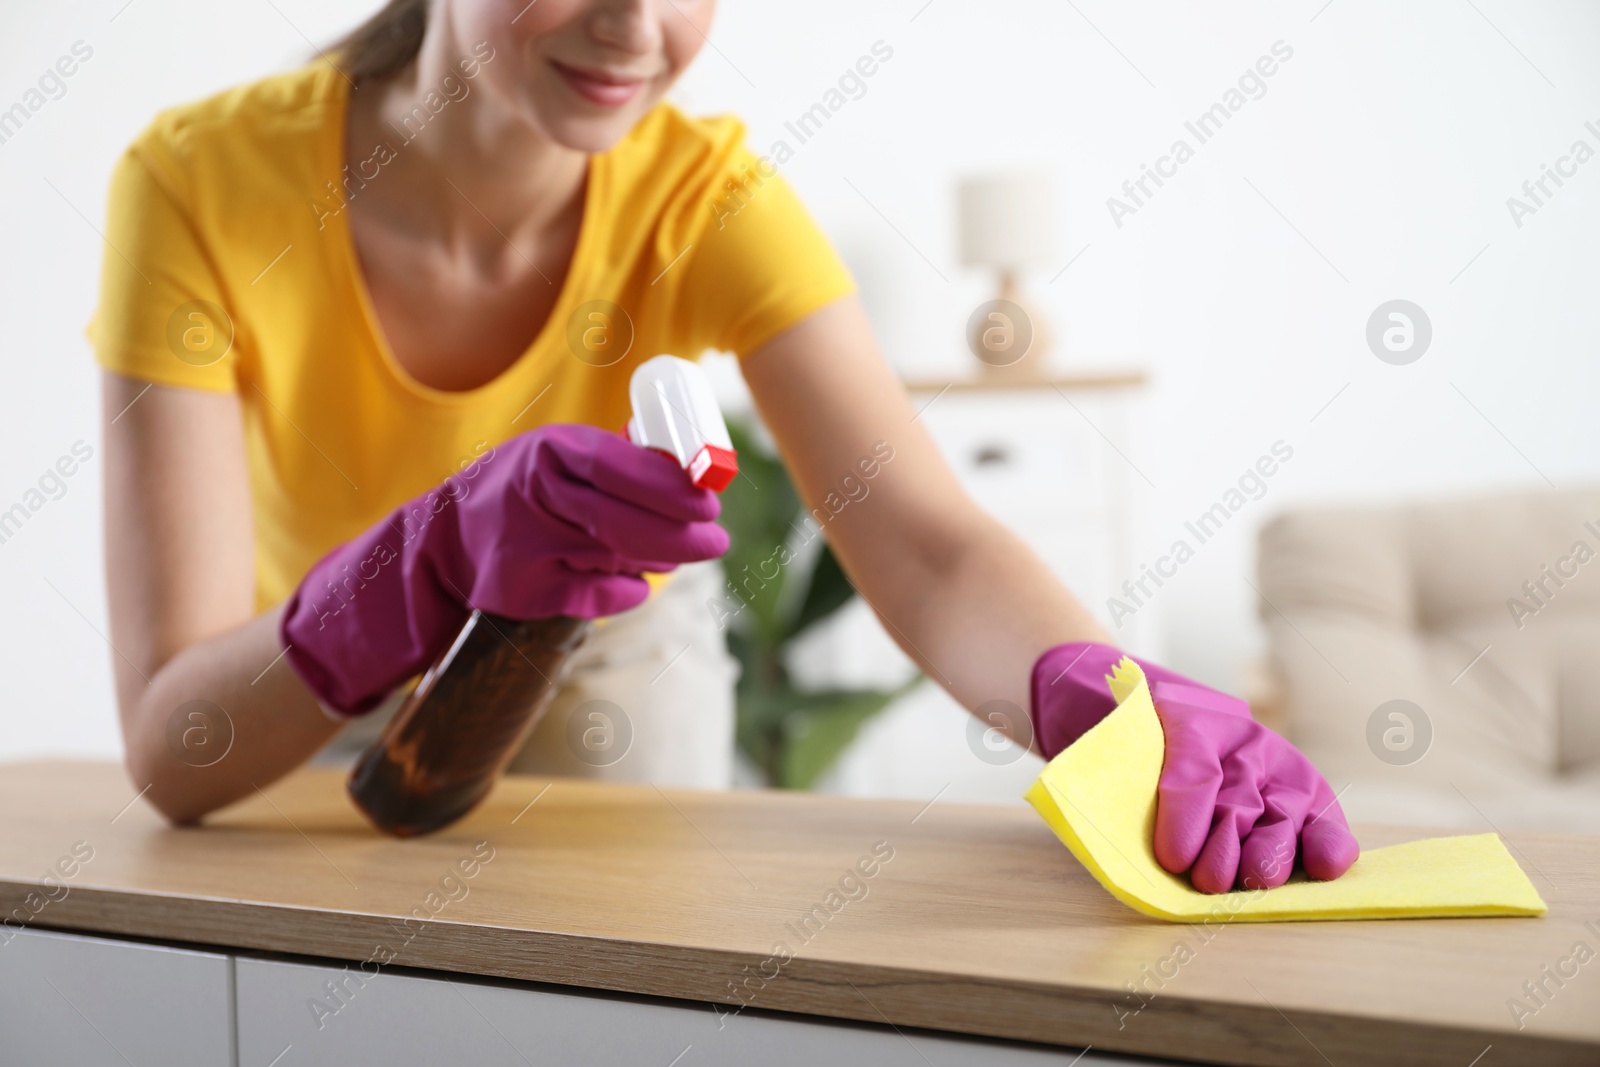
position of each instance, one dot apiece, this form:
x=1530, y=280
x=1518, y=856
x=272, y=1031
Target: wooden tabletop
x=980, y=922
x=975, y=382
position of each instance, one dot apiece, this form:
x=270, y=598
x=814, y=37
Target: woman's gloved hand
x=1236, y=802
x=561, y=520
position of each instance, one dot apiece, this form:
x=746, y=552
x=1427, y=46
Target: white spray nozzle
x=675, y=411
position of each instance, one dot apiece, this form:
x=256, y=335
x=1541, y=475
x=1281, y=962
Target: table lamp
x=1008, y=223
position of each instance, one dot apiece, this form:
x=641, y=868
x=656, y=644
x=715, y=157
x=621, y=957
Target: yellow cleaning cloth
x=1099, y=796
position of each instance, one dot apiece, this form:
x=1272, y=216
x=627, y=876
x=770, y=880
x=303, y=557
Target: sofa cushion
x=1483, y=615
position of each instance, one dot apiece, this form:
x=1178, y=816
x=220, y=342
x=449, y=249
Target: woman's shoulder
x=669, y=150
x=241, y=126
x=669, y=130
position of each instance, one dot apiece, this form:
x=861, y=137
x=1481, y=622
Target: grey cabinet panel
x=299, y=1015
x=88, y=1002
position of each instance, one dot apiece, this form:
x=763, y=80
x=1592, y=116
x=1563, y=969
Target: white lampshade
x=1008, y=221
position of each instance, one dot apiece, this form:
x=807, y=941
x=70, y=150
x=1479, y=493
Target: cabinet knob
x=991, y=455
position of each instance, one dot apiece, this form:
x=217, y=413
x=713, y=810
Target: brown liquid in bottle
x=449, y=741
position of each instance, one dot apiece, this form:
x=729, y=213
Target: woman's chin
x=584, y=127
x=590, y=138
x=587, y=132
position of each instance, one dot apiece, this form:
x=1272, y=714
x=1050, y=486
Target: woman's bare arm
x=180, y=580
x=960, y=594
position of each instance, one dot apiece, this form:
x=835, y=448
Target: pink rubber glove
x=562, y=520
x=1235, y=799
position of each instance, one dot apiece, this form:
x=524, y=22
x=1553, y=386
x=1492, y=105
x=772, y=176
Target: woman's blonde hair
x=382, y=46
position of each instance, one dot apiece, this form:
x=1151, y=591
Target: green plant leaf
x=793, y=735
x=758, y=509
x=829, y=591
x=760, y=728
x=815, y=733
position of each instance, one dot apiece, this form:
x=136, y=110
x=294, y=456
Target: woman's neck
x=474, y=171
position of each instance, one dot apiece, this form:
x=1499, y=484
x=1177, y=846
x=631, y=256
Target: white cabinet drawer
x=409, y=1018
x=96, y=1002
x=1029, y=452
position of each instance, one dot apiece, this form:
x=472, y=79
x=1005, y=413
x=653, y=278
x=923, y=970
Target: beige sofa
x=1483, y=617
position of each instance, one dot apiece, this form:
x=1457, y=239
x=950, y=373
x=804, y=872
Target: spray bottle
x=473, y=709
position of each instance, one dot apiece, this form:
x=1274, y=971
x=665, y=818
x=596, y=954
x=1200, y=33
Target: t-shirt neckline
x=520, y=369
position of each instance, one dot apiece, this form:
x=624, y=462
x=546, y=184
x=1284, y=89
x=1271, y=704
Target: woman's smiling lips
x=606, y=88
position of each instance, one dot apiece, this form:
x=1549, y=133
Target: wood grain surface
x=979, y=923
x=976, y=382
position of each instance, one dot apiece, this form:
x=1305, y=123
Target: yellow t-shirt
x=237, y=201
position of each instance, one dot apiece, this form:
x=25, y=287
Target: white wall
x=1390, y=141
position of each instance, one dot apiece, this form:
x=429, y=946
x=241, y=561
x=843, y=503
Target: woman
x=366, y=330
